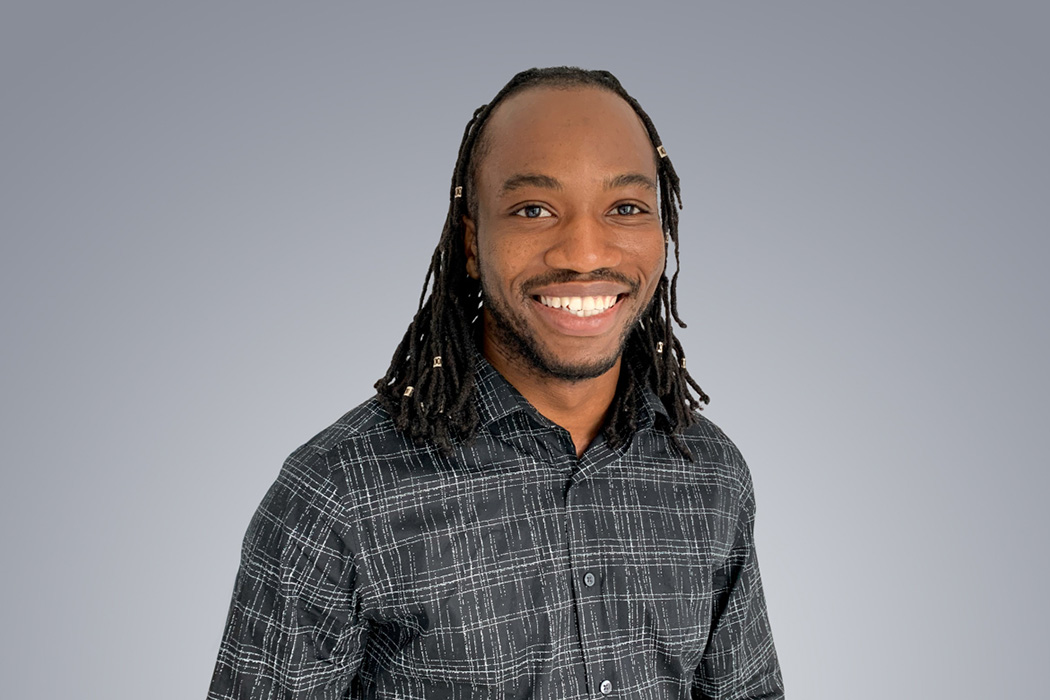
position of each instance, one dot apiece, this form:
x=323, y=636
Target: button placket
x=591, y=616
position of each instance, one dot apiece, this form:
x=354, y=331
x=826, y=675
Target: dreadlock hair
x=429, y=386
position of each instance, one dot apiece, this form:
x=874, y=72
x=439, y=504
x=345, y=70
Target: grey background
x=216, y=217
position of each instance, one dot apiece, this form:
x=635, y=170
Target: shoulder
x=365, y=424
x=365, y=421
x=360, y=455
x=311, y=488
x=715, y=453
x=310, y=472
x=711, y=440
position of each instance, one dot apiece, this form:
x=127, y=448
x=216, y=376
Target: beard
x=513, y=334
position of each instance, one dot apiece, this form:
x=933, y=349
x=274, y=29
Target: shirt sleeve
x=740, y=662
x=291, y=631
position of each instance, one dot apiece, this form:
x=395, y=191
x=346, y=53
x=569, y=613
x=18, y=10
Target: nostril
x=583, y=249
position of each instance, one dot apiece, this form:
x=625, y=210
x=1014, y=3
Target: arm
x=291, y=631
x=740, y=662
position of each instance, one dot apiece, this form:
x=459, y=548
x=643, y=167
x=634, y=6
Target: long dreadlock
x=429, y=386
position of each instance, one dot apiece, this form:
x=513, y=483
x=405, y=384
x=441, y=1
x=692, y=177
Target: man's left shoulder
x=713, y=450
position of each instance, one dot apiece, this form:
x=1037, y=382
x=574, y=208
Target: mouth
x=581, y=307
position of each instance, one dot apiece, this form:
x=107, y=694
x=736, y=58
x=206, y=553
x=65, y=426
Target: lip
x=581, y=289
x=570, y=324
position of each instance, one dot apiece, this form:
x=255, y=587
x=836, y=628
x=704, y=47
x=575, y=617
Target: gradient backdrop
x=216, y=217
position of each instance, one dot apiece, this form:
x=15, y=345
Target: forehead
x=573, y=130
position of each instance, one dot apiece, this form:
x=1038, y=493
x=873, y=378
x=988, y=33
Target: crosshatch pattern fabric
x=378, y=568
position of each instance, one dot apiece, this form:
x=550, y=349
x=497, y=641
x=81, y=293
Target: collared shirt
x=379, y=568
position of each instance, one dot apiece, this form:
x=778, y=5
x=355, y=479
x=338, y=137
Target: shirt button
x=606, y=687
x=588, y=580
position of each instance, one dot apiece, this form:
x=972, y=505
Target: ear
x=470, y=246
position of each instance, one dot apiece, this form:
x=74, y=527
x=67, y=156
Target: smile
x=580, y=306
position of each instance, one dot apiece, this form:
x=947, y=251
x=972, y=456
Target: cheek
x=493, y=271
x=651, y=259
x=506, y=260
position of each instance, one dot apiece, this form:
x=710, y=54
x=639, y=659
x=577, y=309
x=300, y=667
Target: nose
x=583, y=244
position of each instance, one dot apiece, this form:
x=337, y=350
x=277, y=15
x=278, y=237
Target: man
x=531, y=506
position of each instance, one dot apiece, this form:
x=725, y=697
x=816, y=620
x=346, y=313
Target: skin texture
x=567, y=206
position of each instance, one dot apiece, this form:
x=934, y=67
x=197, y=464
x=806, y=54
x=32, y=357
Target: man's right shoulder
x=368, y=420
x=362, y=453
x=368, y=423
x=319, y=471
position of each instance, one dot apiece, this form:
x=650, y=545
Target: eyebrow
x=546, y=182
x=515, y=182
x=629, y=179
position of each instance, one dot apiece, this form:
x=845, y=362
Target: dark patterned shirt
x=378, y=568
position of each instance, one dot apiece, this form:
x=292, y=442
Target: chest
x=519, y=574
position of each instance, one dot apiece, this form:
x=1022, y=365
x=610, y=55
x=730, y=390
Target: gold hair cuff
x=459, y=192
x=408, y=390
x=662, y=151
x=437, y=360
x=659, y=347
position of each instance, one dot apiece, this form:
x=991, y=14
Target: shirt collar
x=498, y=398
x=649, y=404
x=652, y=407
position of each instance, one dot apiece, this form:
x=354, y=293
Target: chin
x=579, y=371
x=546, y=363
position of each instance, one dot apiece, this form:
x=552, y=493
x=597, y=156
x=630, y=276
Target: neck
x=578, y=406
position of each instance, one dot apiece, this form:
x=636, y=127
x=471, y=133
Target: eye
x=629, y=209
x=533, y=211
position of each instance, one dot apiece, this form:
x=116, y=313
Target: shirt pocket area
x=487, y=612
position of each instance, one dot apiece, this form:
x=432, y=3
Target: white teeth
x=580, y=306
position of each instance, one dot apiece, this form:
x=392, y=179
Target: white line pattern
x=378, y=568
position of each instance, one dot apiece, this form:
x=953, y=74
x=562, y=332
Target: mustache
x=563, y=276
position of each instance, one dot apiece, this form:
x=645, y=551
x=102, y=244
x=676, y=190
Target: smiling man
x=531, y=506
x=570, y=249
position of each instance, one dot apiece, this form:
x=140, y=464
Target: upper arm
x=292, y=629
x=740, y=661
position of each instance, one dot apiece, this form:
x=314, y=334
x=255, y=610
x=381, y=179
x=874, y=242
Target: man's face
x=567, y=240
